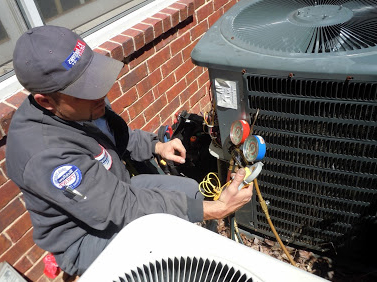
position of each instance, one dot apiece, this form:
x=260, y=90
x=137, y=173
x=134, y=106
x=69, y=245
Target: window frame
x=9, y=84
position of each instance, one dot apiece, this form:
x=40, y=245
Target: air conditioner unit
x=309, y=69
x=161, y=247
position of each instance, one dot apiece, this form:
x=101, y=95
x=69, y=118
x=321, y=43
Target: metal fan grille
x=320, y=170
x=185, y=269
x=304, y=26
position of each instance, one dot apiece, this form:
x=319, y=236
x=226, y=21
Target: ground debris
x=304, y=259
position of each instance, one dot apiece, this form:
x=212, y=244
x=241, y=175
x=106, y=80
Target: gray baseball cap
x=51, y=59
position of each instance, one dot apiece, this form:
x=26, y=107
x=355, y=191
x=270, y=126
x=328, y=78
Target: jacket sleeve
x=141, y=144
x=107, y=200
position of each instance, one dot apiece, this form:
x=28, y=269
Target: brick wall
x=158, y=79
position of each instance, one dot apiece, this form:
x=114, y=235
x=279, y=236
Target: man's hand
x=172, y=150
x=231, y=199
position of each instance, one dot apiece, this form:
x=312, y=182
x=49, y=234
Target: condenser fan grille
x=185, y=269
x=303, y=26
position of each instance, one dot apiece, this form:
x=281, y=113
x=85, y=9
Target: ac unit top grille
x=185, y=269
x=280, y=27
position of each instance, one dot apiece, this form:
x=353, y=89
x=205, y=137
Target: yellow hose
x=265, y=209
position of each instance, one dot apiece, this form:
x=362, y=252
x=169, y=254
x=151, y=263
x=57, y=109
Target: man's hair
x=54, y=95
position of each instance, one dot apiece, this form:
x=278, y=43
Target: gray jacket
x=48, y=158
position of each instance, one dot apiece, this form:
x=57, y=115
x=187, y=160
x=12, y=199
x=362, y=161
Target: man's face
x=75, y=109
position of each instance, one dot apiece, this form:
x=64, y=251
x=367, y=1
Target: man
x=66, y=151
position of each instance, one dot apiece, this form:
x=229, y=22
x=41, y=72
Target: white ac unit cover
x=163, y=247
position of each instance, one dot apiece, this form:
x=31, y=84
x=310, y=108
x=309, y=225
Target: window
x=82, y=16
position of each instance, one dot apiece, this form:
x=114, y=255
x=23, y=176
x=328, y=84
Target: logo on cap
x=75, y=55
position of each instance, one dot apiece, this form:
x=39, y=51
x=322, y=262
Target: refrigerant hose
x=265, y=210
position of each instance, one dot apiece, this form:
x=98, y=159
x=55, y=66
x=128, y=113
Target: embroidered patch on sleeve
x=104, y=158
x=66, y=176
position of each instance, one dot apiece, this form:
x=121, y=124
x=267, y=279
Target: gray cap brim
x=97, y=79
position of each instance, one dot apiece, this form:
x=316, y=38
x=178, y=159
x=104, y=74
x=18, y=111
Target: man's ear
x=45, y=101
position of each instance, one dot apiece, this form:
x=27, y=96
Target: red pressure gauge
x=239, y=131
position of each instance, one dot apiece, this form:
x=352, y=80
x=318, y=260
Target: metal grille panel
x=320, y=169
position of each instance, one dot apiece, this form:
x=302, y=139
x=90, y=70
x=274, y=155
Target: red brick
x=198, y=3
x=165, y=39
x=137, y=123
x=205, y=103
x=164, y=85
x=170, y=109
x=126, y=42
x=194, y=99
x=158, y=59
x=229, y=5
x=147, y=31
x=17, y=99
x=180, y=43
x=115, y=50
x=214, y=17
x=156, y=24
x=23, y=265
x=19, y=227
x=10, y=213
x=123, y=71
x=219, y=4
x=125, y=116
x=186, y=26
x=188, y=92
x=44, y=278
x=125, y=100
x=175, y=90
x=102, y=52
x=152, y=125
x=165, y=19
x=182, y=8
x=193, y=74
x=199, y=30
x=174, y=15
x=36, y=272
x=133, y=77
x=190, y=6
x=156, y=107
x=3, y=168
x=186, y=53
x=4, y=244
x=203, y=12
x=203, y=79
x=149, y=82
x=7, y=193
x=140, y=56
x=195, y=108
x=6, y=114
x=183, y=70
x=35, y=253
x=137, y=36
x=140, y=105
x=185, y=107
x=3, y=179
x=114, y=92
x=2, y=149
x=18, y=250
x=171, y=65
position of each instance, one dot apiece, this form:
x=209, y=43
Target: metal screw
x=267, y=202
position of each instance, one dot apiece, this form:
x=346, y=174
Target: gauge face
x=239, y=131
x=250, y=148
